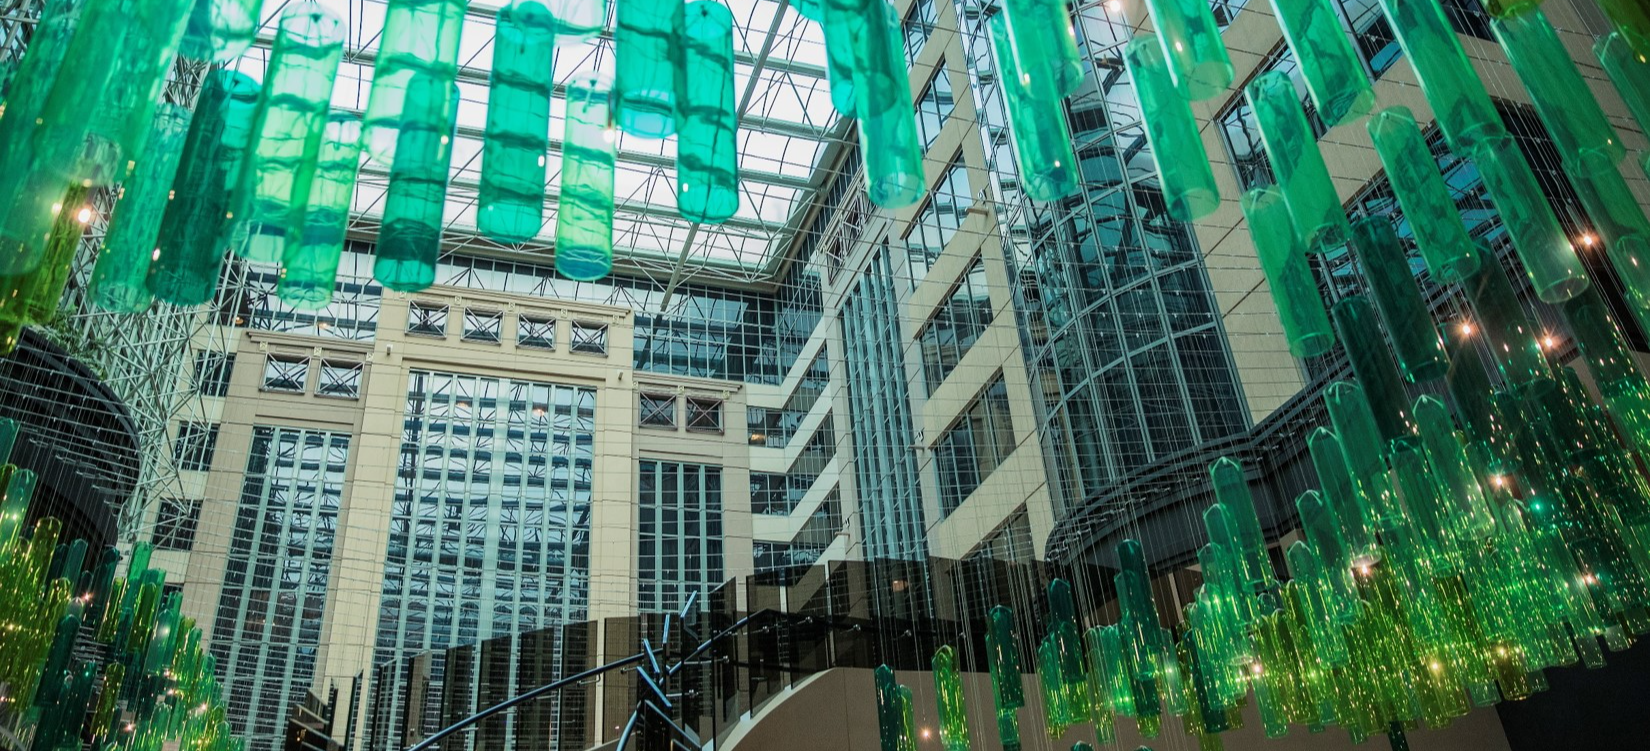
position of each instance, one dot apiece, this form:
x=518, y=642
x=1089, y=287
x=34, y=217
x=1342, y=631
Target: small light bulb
x=608, y=135
x=1115, y=6
x=1548, y=342
x=1500, y=481
x=1466, y=328
x=1588, y=239
x=85, y=215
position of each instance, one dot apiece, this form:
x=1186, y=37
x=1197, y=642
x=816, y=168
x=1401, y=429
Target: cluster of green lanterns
x=1448, y=558
x=268, y=171
x=152, y=683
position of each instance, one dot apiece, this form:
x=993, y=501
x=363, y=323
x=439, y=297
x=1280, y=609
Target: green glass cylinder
x=649, y=69
x=888, y=710
x=287, y=130
x=1338, y=490
x=309, y=269
x=1232, y=493
x=577, y=20
x=1621, y=226
x=8, y=441
x=1042, y=145
x=1366, y=350
x=1044, y=49
x=1323, y=531
x=1008, y=723
x=1549, y=260
x=584, y=219
x=150, y=34
x=1334, y=74
x=118, y=280
x=513, y=163
x=220, y=30
x=907, y=720
x=1171, y=130
x=420, y=37
x=26, y=96
x=1612, y=364
x=33, y=297
x=1322, y=616
x=1099, y=684
x=889, y=145
x=1447, y=78
x=1451, y=469
x=1288, y=277
x=1066, y=645
x=1398, y=298
x=1469, y=387
x=948, y=693
x=1629, y=71
x=707, y=155
x=835, y=17
x=1057, y=714
x=198, y=226
x=1003, y=658
x=1363, y=445
x=19, y=489
x=1300, y=170
x=410, y=241
x=1413, y=174
x=1191, y=41
x=1566, y=106
x=1513, y=340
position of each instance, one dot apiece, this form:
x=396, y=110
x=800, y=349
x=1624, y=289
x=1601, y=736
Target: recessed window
x=704, y=415
x=589, y=338
x=176, y=525
x=538, y=332
x=658, y=411
x=340, y=379
x=196, y=443
x=485, y=326
x=427, y=320
x=286, y=373
x=212, y=371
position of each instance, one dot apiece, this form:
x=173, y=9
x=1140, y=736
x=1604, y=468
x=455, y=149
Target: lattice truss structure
x=786, y=129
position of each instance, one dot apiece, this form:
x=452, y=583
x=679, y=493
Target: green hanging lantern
x=410, y=241
x=584, y=220
x=1293, y=151
x=1171, y=130
x=513, y=151
x=707, y=155
x=309, y=270
x=420, y=38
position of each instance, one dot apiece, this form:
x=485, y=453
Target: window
x=212, y=371
x=968, y=452
x=658, y=411
x=425, y=319
x=196, y=443
x=940, y=219
x=538, y=332
x=1242, y=134
x=956, y=325
x=340, y=379
x=286, y=373
x=175, y=526
x=934, y=107
x=483, y=325
x=704, y=415
x=918, y=25
x=589, y=338
x=774, y=427
x=679, y=534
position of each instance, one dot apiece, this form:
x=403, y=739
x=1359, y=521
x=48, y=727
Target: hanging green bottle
x=1367, y=351
x=287, y=130
x=707, y=155
x=1042, y=145
x=1612, y=364
x=1044, y=49
x=220, y=30
x=1066, y=644
x=1183, y=168
x=513, y=152
x=1469, y=511
x=1629, y=71
x=1566, y=106
x=118, y=280
x=150, y=33
x=1469, y=387
x=1288, y=277
x=1513, y=340
x=410, y=242
x=839, y=30
x=1398, y=298
x=1549, y=260
x=1232, y=493
x=1447, y=78
x=649, y=68
x=1622, y=227
x=1632, y=21
x=1413, y=174
x=1008, y=723
x=1003, y=657
x=420, y=37
x=888, y=709
x=1293, y=153
x=23, y=245
x=578, y=20
x=1363, y=446
x=33, y=298
x=198, y=227
x=1339, y=492
x=948, y=693
x=8, y=440
x=309, y=270
x=19, y=489
x=1334, y=75
x=584, y=219
x=889, y=145
x=1191, y=40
